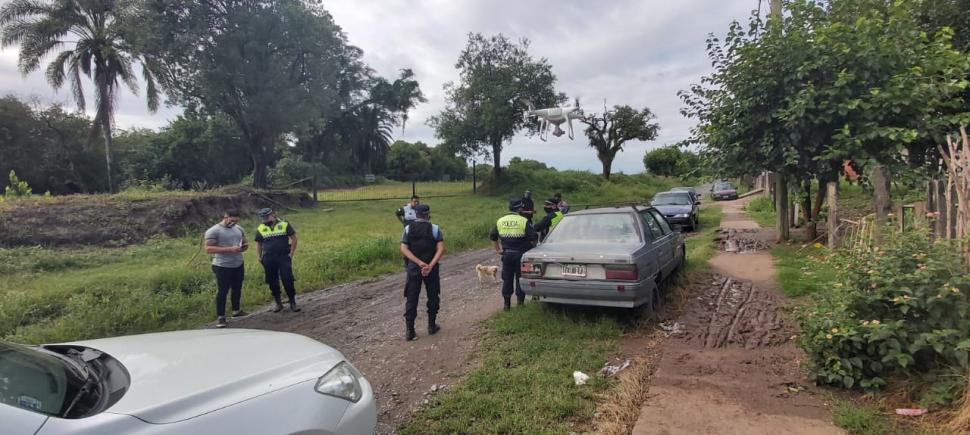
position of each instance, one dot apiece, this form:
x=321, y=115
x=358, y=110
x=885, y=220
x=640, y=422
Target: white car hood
x=179, y=375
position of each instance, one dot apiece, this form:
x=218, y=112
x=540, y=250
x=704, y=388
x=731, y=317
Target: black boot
x=279, y=306
x=433, y=327
x=508, y=303
x=409, y=333
x=293, y=307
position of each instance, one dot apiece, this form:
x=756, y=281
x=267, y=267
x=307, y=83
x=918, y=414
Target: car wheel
x=658, y=295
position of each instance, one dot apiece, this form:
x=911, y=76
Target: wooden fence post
x=832, y=191
x=880, y=182
x=939, y=208
x=951, y=206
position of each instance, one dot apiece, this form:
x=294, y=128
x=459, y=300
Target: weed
x=762, y=210
x=860, y=419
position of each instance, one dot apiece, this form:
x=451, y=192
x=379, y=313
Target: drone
x=555, y=117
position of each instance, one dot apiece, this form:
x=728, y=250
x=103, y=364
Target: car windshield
x=671, y=199
x=682, y=189
x=36, y=380
x=723, y=186
x=596, y=228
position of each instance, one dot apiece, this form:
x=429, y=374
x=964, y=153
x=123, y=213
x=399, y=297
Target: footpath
x=733, y=366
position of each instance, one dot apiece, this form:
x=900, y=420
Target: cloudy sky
x=634, y=52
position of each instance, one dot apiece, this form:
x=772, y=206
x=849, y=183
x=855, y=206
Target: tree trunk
x=832, y=188
x=883, y=204
x=807, y=211
x=260, y=180
x=106, y=127
x=819, y=198
x=497, y=159
x=781, y=206
x=607, y=162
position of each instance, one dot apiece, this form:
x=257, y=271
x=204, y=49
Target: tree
x=272, y=67
x=408, y=161
x=608, y=131
x=851, y=79
x=96, y=46
x=484, y=110
x=667, y=161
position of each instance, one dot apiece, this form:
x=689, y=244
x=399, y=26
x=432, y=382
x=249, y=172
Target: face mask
x=548, y=209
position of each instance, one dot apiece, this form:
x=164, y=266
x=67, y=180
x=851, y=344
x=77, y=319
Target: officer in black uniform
x=517, y=236
x=550, y=220
x=423, y=245
x=275, y=246
x=528, y=206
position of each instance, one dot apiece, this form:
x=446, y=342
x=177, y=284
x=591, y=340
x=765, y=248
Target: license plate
x=574, y=270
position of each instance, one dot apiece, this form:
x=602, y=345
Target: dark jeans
x=279, y=267
x=511, y=270
x=412, y=291
x=228, y=278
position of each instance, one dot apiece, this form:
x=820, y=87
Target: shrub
x=17, y=187
x=899, y=310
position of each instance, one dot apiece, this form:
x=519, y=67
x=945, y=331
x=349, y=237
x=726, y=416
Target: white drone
x=554, y=117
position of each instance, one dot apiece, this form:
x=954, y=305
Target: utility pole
x=781, y=183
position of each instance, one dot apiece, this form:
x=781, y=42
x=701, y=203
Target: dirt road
x=364, y=320
x=732, y=367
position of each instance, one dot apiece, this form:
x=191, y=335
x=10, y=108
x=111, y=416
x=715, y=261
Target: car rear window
x=596, y=228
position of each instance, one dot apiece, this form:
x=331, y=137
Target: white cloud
x=635, y=52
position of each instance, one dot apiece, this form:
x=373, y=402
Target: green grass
x=860, y=419
x=53, y=295
x=803, y=271
x=762, y=211
x=525, y=382
x=397, y=189
x=700, y=246
x=528, y=355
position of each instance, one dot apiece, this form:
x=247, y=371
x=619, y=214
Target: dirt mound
x=105, y=220
x=734, y=312
x=736, y=240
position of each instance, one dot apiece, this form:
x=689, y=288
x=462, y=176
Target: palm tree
x=88, y=38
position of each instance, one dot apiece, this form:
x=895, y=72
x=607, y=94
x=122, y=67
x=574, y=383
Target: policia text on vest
x=516, y=235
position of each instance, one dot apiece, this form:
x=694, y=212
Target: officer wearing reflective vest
x=275, y=246
x=551, y=219
x=423, y=245
x=512, y=236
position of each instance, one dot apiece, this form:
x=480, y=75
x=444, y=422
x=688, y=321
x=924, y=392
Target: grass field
x=396, y=190
x=52, y=295
x=528, y=355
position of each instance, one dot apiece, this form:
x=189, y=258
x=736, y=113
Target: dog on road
x=484, y=272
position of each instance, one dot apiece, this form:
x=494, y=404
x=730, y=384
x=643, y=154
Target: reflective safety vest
x=275, y=231
x=511, y=226
x=555, y=220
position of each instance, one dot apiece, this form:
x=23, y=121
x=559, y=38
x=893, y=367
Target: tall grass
x=52, y=295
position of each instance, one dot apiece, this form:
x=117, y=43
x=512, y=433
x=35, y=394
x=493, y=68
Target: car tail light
x=530, y=268
x=626, y=272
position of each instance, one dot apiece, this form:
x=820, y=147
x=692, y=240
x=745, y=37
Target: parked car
x=187, y=382
x=609, y=257
x=693, y=191
x=724, y=190
x=680, y=208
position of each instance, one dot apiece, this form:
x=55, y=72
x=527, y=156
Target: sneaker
x=239, y=313
x=221, y=322
x=293, y=307
x=278, y=307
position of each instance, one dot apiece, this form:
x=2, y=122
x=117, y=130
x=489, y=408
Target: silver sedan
x=610, y=257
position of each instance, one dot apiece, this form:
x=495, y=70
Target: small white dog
x=485, y=271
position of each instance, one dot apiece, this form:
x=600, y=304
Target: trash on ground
x=672, y=327
x=911, y=412
x=612, y=369
x=580, y=378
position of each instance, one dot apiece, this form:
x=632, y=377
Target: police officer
x=423, y=245
x=528, y=206
x=275, y=246
x=551, y=219
x=517, y=236
x=406, y=214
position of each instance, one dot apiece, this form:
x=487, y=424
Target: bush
x=17, y=188
x=899, y=310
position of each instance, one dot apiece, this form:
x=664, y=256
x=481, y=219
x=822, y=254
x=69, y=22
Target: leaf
x=848, y=381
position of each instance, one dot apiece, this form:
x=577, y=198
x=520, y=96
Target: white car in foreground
x=228, y=381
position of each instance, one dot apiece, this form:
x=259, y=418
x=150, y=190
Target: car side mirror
x=698, y=202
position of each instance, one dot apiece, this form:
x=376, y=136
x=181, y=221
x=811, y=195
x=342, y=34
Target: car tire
x=657, y=302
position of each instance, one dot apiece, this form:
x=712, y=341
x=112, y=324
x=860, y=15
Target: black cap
x=552, y=201
x=264, y=212
x=516, y=205
x=422, y=209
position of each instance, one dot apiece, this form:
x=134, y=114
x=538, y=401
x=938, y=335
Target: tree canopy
x=610, y=130
x=484, y=109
